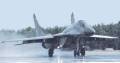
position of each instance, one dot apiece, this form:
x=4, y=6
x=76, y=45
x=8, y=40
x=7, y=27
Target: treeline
x=9, y=34
x=102, y=29
x=109, y=29
x=30, y=32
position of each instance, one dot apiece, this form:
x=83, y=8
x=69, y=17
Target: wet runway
x=34, y=53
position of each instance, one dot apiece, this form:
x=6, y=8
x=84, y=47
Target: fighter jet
x=72, y=38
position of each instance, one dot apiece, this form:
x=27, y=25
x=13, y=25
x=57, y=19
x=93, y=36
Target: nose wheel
x=80, y=49
x=51, y=52
x=79, y=53
x=76, y=53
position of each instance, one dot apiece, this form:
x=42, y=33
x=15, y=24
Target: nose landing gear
x=80, y=48
x=79, y=52
x=76, y=53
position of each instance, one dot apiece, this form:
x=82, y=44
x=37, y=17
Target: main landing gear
x=51, y=52
x=82, y=51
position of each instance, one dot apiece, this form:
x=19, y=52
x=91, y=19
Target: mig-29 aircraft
x=72, y=38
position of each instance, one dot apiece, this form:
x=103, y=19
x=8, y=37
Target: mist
x=9, y=35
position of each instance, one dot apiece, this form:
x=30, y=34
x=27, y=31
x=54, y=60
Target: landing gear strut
x=77, y=49
x=79, y=52
x=76, y=53
x=82, y=51
x=51, y=52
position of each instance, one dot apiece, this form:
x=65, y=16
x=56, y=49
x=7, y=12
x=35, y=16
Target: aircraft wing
x=103, y=36
x=41, y=38
x=30, y=40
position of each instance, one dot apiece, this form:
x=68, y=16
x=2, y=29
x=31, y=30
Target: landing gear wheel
x=82, y=52
x=76, y=53
x=50, y=52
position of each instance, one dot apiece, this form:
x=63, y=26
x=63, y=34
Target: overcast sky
x=18, y=14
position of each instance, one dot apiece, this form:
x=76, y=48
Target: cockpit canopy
x=79, y=27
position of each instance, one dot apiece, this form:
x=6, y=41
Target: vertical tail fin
x=39, y=30
x=72, y=18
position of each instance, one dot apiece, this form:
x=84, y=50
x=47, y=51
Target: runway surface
x=34, y=53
